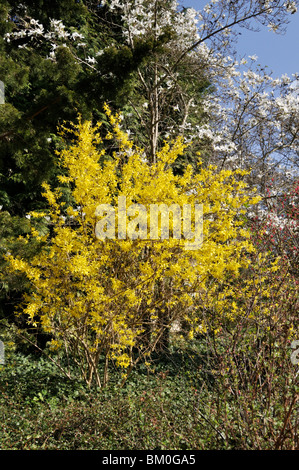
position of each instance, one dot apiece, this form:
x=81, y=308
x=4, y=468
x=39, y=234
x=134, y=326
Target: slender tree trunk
x=154, y=101
x=154, y=109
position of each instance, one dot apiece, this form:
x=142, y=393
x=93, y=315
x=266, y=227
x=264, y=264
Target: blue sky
x=280, y=53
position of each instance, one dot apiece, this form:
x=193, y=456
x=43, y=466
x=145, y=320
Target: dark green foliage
x=39, y=94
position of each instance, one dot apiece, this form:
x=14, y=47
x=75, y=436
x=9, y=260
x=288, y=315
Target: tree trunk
x=154, y=110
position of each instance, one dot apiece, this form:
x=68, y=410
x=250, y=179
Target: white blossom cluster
x=142, y=18
x=278, y=221
x=260, y=115
x=291, y=6
x=32, y=29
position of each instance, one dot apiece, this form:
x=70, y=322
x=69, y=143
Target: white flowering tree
x=174, y=82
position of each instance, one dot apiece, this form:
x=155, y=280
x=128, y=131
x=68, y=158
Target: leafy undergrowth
x=185, y=402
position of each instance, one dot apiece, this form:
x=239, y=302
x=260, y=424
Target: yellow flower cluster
x=103, y=297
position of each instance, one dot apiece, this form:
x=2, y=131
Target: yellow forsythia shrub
x=101, y=298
